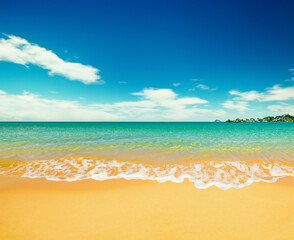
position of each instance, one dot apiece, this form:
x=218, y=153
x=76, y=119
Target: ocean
x=222, y=154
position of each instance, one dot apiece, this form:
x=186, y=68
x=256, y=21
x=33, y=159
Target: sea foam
x=223, y=174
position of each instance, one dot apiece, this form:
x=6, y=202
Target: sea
x=222, y=154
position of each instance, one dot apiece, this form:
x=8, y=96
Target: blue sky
x=145, y=60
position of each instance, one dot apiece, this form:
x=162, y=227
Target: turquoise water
x=222, y=154
x=165, y=142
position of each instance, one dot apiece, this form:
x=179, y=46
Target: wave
x=206, y=173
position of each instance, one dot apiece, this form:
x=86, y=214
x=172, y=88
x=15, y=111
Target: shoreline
x=204, y=174
x=143, y=209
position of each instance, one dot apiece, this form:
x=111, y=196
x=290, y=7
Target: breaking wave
x=223, y=174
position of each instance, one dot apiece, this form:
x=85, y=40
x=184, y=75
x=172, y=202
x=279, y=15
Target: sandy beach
x=146, y=120
x=137, y=209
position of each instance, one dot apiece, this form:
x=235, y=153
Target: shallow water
x=234, y=141
x=248, y=152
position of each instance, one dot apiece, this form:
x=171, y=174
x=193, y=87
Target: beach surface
x=143, y=209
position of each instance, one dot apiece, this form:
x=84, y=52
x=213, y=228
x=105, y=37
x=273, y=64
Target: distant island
x=283, y=118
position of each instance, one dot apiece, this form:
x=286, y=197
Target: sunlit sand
x=143, y=209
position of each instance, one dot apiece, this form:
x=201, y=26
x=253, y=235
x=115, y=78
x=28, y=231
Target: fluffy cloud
x=167, y=98
x=31, y=107
x=176, y=84
x=246, y=96
x=153, y=105
x=275, y=93
x=175, y=107
x=282, y=108
x=20, y=51
x=241, y=106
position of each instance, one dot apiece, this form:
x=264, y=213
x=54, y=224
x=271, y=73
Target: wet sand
x=137, y=209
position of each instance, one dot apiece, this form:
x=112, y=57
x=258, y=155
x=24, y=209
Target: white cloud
x=176, y=84
x=219, y=112
x=174, y=107
x=31, y=107
x=246, y=96
x=275, y=93
x=167, y=97
x=241, y=106
x=202, y=87
x=157, y=95
x=282, y=108
x=290, y=80
x=153, y=105
x=20, y=51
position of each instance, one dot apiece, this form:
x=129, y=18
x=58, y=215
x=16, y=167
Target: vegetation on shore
x=283, y=118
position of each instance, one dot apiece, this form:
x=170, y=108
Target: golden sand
x=37, y=209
